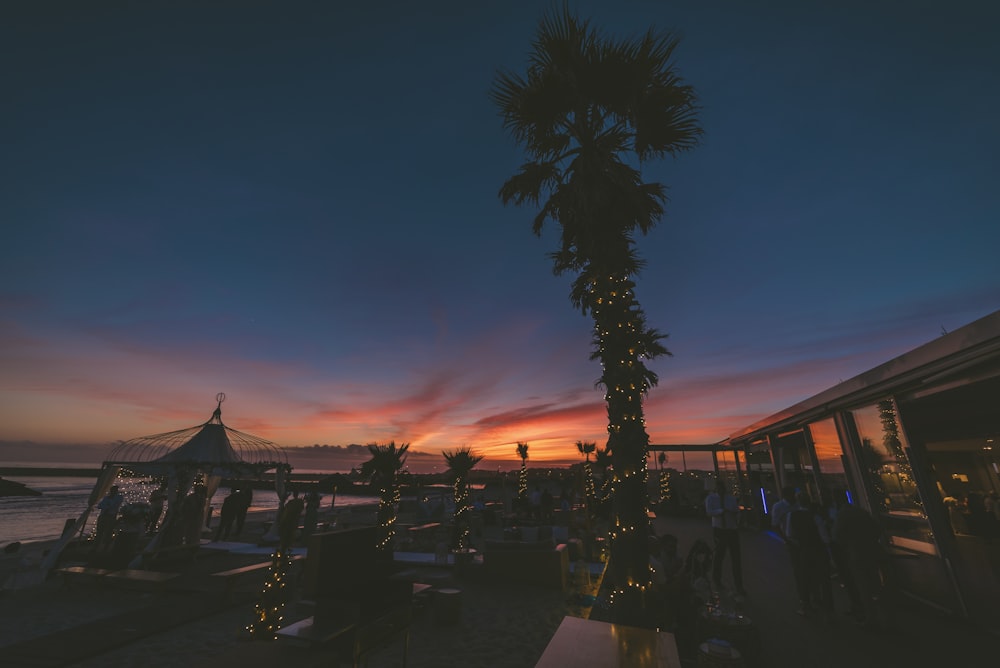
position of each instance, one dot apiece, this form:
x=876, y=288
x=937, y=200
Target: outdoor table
x=586, y=643
x=311, y=633
x=731, y=626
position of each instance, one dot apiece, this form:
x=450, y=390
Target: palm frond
x=461, y=460
x=522, y=450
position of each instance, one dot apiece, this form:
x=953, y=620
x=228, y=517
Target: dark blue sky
x=296, y=203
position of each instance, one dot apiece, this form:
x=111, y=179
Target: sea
x=42, y=518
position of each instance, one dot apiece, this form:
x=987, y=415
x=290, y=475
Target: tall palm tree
x=589, y=111
x=460, y=462
x=522, y=484
x=383, y=470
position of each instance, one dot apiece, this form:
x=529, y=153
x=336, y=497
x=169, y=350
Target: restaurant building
x=916, y=441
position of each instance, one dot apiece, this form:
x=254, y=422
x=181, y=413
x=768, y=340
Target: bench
x=82, y=574
x=233, y=574
x=135, y=578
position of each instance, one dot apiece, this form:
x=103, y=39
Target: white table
x=583, y=643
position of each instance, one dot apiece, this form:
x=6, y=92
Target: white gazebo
x=208, y=453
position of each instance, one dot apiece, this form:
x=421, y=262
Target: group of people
x=120, y=525
x=975, y=514
x=680, y=585
x=843, y=538
x=840, y=539
x=118, y=520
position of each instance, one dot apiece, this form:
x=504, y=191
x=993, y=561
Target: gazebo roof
x=209, y=444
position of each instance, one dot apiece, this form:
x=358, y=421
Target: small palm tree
x=603, y=461
x=460, y=463
x=664, y=478
x=383, y=471
x=586, y=449
x=522, y=484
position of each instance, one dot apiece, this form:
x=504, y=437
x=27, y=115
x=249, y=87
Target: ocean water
x=34, y=518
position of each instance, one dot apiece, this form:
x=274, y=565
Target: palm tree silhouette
x=383, y=471
x=460, y=462
x=522, y=484
x=586, y=449
x=588, y=111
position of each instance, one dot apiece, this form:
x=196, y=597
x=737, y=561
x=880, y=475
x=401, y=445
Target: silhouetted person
x=246, y=496
x=724, y=510
x=780, y=511
x=228, y=513
x=311, y=516
x=698, y=569
x=193, y=515
x=108, y=517
x=156, y=500
x=812, y=557
x=858, y=537
x=841, y=561
x=131, y=525
x=535, y=499
x=289, y=520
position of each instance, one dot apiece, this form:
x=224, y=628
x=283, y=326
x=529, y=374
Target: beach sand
x=500, y=625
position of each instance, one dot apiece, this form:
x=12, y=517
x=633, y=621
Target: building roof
x=969, y=353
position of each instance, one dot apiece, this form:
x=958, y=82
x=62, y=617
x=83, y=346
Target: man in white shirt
x=724, y=510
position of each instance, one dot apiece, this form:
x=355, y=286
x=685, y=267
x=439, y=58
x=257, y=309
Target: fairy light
x=665, y=492
x=387, y=516
x=461, y=493
x=268, y=613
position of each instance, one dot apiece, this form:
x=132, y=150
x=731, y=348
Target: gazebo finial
x=217, y=415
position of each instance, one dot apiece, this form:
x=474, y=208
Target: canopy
x=209, y=451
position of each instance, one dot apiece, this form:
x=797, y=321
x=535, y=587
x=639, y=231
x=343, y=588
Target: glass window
x=894, y=492
x=889, y=468
x=792, y=457
x=829, y=455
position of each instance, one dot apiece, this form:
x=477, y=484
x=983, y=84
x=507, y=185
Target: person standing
x=724, y=510
x=310, y=517
x=227, y=514
x=812, y=563
x=780, y=510
x=288, y=520
x=243, y=505
x=193, y=514
x=108, y=517
x=858, y=536
x=536, y=503
x=156, y=500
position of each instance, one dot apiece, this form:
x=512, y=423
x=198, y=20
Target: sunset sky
x=296, y=204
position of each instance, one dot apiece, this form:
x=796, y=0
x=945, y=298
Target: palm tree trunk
x=618, y=334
